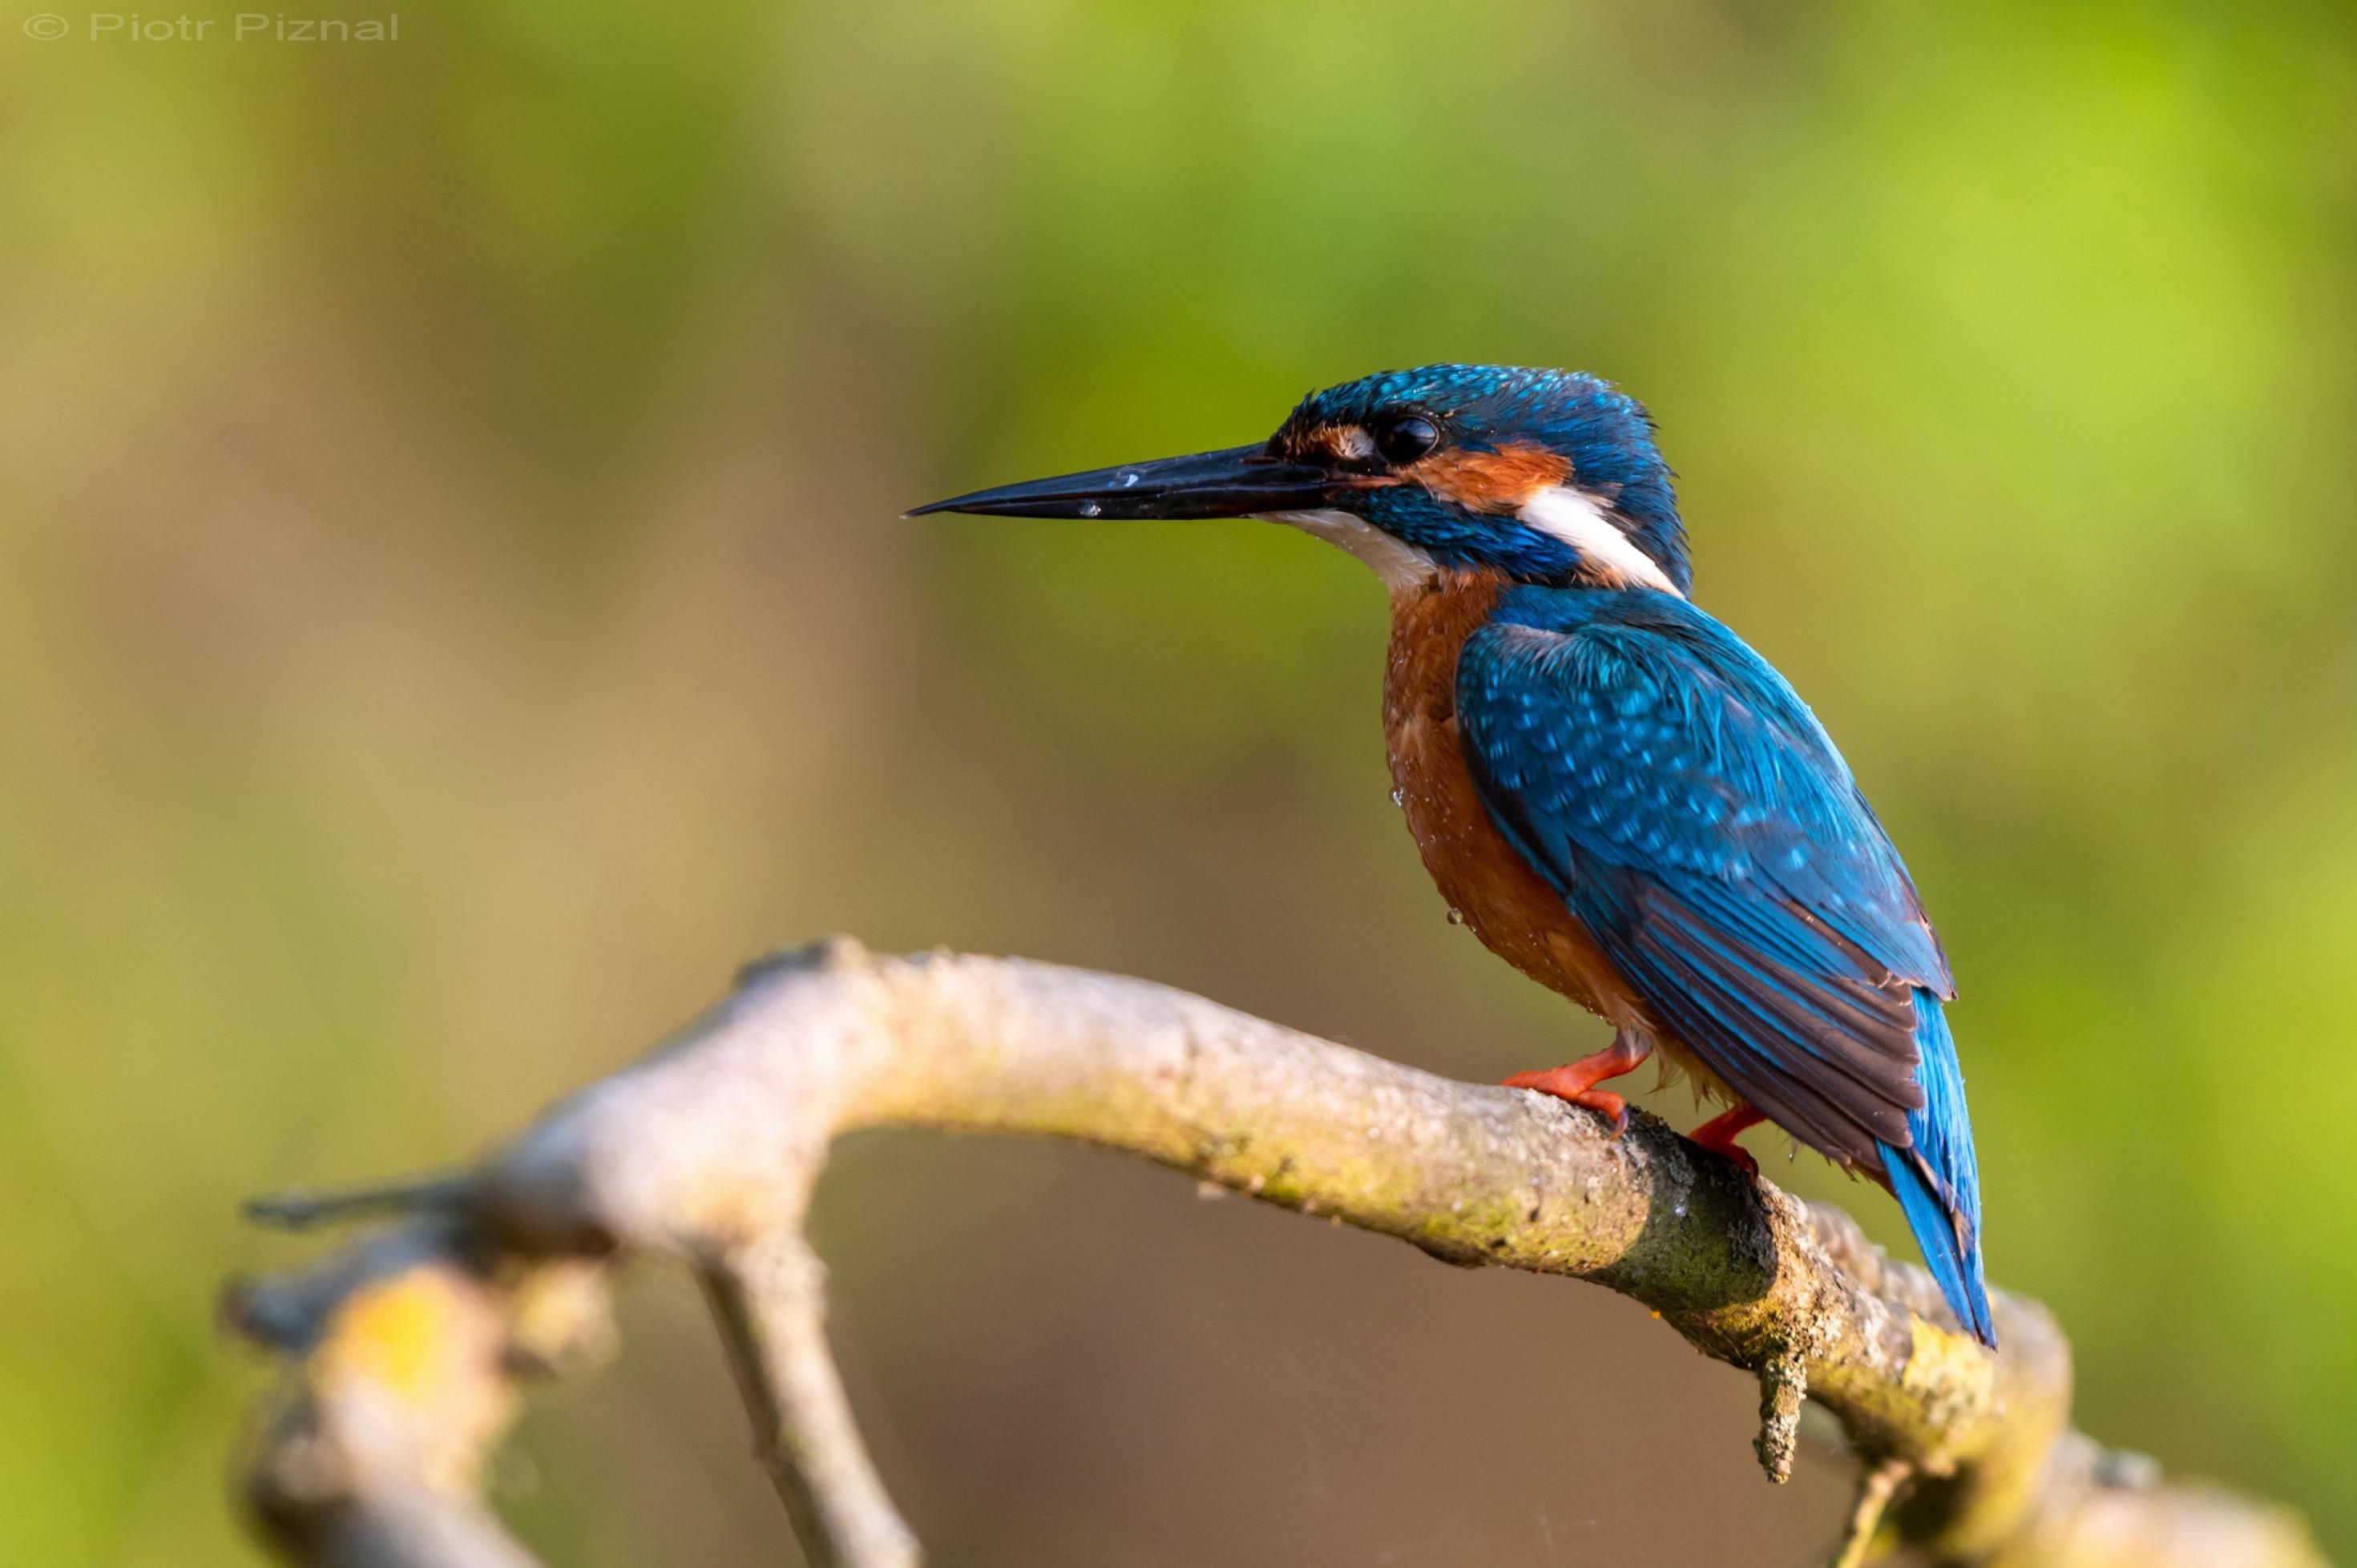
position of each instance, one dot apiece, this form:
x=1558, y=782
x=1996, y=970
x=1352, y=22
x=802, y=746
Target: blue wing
x=1674, y=789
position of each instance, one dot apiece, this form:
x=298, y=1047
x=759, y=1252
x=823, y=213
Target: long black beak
x=1238, y=482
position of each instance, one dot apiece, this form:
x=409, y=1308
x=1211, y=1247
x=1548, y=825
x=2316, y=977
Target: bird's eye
x=1405, y=440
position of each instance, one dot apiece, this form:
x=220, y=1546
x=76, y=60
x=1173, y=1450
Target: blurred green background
x=452, y=609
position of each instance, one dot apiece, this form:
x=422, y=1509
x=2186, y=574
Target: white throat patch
x=1400, y=565
x=1577, y=519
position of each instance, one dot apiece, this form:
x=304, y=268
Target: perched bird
x=1615, y=792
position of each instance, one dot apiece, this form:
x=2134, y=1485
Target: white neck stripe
x=1577, y=519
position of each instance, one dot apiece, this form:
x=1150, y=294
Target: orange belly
x=1509, y=905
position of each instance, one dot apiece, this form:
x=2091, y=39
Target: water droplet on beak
x=1090, y=509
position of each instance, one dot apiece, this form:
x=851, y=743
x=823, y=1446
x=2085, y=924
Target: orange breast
x=1511, y=909
x=1483, y=878
x=1508, y=905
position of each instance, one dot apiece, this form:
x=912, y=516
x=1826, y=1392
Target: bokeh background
x=452, y=609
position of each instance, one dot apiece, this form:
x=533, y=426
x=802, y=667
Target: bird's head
x=1543, y=476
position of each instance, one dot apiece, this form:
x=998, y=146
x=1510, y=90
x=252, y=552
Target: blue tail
x=1938, y=1182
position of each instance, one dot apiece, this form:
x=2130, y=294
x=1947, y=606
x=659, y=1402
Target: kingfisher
x=1611, y=788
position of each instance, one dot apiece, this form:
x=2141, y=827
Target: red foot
x=1576, y=1081
x=1717, y=1136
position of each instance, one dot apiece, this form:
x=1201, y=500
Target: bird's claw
x=1718, y=1135
x=1575, y=1087
x=1738, y=1153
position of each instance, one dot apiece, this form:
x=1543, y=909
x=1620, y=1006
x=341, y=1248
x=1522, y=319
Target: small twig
x=300, y=1210
x=1875, y=1488
x=1784, y=1385
x=768, y=1300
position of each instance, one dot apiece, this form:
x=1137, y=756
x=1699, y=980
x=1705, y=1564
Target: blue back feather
x=1697, y=820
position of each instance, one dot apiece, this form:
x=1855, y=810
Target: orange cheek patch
x=1491, y=482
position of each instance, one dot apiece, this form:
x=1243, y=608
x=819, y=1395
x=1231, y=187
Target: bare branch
x=769, y=1299
x=1876, y=1486
x=708, y=1151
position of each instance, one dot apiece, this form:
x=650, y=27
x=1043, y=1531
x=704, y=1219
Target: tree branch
x=769, y=1299
x=404, y=1349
